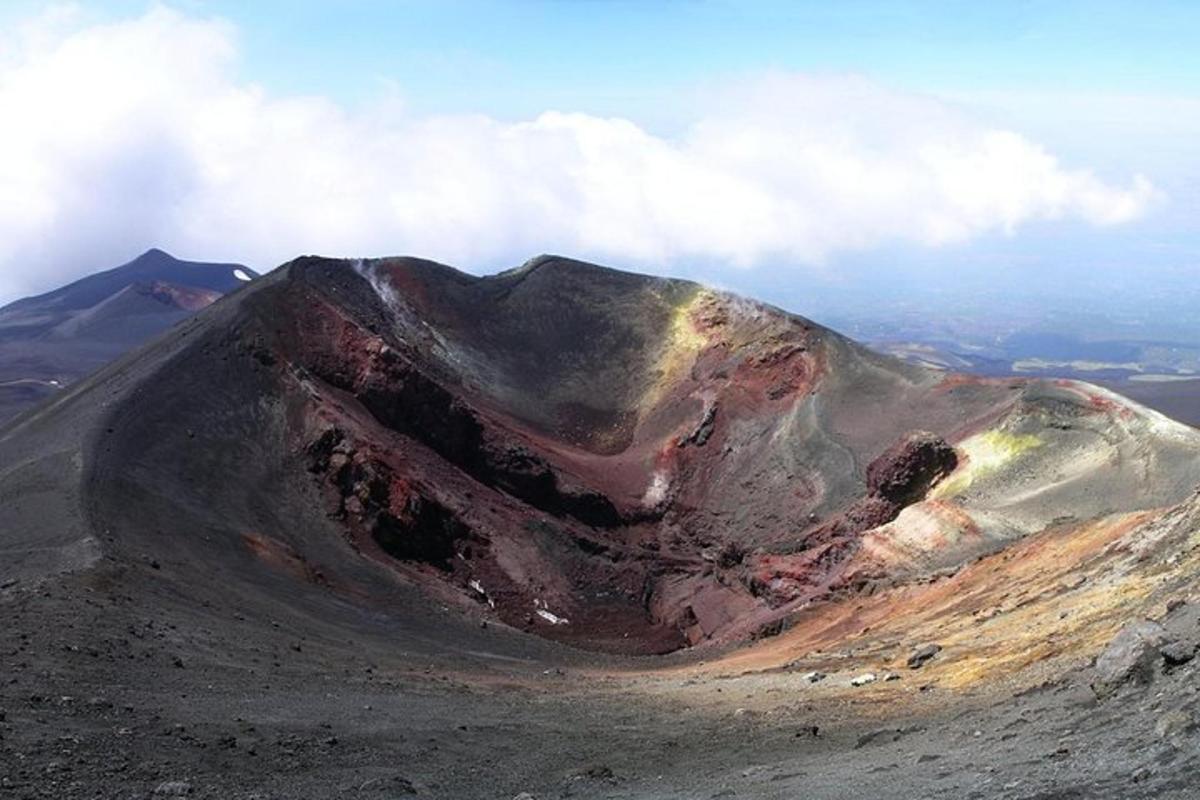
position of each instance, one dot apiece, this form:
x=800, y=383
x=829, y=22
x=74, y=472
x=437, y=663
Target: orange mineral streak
x=1059, y=594
x=956, y=380
x=281, y=556
x=188, y=298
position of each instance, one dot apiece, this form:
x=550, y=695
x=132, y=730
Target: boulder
x=1130, y=657
x=1177, y=652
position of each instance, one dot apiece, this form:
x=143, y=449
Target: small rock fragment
x=864, y=679
x=881, y=736
x=1174, y=724
x=601, y=773
x=173, y=789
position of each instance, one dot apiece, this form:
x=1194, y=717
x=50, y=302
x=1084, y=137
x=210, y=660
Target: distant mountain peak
x=153, y=259
x=67, y=332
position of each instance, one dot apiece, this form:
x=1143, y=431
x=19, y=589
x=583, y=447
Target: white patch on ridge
x=241, y=275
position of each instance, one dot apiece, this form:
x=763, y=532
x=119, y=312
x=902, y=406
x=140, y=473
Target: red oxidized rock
x=907, y=470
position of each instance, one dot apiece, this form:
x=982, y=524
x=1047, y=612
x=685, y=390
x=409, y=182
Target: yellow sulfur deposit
x=683, y=344
x=985, y=453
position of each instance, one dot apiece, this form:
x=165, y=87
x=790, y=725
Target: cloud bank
x=122, y=136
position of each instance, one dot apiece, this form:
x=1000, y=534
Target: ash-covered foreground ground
x=384, y=529
x=124, y=692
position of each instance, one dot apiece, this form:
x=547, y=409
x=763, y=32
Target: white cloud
x=122, y=136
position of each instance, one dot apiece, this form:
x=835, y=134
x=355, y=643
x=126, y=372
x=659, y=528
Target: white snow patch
x=553, y=619
x=241, y=275
x=542, y=611
x=656, y=492
x=478, y=587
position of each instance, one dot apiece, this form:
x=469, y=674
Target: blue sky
x=604, y=56
x=514, y=58
x=667, y=97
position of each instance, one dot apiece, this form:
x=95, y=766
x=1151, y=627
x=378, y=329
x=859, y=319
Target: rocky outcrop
x=405, y=399
x=525, y=475
x=699, y=435
x=405, y=523
x=908, y=469
x=899, y=477
x=424, y=531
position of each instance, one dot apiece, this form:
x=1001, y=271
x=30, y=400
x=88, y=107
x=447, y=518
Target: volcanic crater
x=396, y=461
x=626, y=463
